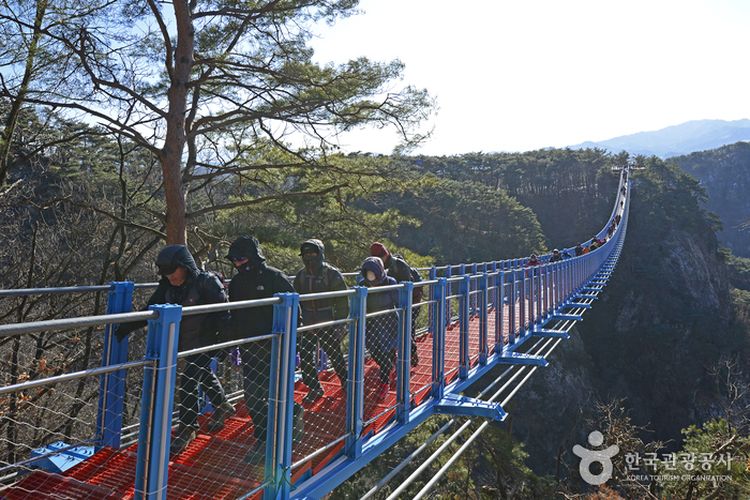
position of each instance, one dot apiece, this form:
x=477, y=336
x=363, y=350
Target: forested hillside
x=128, y=126
x=577, y=185
x=667, y=342
x=655, y=342
x=725, y=175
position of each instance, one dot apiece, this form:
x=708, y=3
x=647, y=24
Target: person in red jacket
x=532, y=262
x=398, y=269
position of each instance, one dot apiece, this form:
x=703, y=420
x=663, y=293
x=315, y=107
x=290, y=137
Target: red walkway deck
x=212, y=466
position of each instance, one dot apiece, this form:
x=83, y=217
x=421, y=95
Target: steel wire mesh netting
x=517, y=303
x=453, y=333
x=495, y=315
x=381, y=342
x=421, y=353
x=47, y=428
x=319, y=421
x=220, y=420
x=474, y=326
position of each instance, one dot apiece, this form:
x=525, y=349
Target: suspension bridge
x=103, y=430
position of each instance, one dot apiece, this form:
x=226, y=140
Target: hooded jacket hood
x=315, y=244
x=377, y=249
x=177, y=255
x=247, y=246
x=375, y=265
x=318, y=247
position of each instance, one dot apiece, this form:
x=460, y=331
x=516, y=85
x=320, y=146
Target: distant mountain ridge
x=686, y=138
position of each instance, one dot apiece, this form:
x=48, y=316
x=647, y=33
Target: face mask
x=370, y=276
x=311, y=260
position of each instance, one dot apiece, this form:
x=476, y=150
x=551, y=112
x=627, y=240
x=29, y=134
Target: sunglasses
x=235, y=258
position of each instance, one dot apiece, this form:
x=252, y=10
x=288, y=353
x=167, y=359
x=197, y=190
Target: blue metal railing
x=527, y=298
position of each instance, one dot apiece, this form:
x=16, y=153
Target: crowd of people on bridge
x=182, y=282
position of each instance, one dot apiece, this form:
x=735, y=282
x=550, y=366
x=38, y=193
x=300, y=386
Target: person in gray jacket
x=319, y=276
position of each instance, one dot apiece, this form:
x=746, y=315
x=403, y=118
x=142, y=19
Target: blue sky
x=515, y=76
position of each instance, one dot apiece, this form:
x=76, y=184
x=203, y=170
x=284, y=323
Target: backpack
x=219, y=276
x=415, y=277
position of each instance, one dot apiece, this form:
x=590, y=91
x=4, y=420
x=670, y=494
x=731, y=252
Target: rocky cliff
x=725, y=175
x=653, y=339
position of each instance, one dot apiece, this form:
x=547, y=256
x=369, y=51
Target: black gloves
x=123, y=329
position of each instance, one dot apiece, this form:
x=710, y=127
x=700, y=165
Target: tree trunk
x=6, y=138
x=174, y=143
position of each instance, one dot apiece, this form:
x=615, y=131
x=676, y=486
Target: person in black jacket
x=183, y=283
x=398, y=269
x=319, y=276
x=256, y=280
x=381, y=331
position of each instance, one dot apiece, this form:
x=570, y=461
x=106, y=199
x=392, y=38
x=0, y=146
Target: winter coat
x=381, y=330
x=398, y=268
x=254, y=280
x=200, y=287
x=326, y=279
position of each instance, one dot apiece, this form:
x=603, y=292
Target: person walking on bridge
x=319, y=276
x=381, y=331
x=256, y=280
x=533, y=261
x=530, y=274
x=397, y=268
x=183, y=283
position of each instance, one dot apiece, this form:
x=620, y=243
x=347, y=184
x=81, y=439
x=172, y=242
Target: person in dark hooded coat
x=183, y=283
x=381, y=331
x=256, y=280
x=319, y=276
x=398, y=268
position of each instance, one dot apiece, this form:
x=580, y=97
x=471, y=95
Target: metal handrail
x=229, y=306
x=226, y=345
x=325, y=324
x=319, y=451
x=382, y=313
x=30, y=384
x=66, y=323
